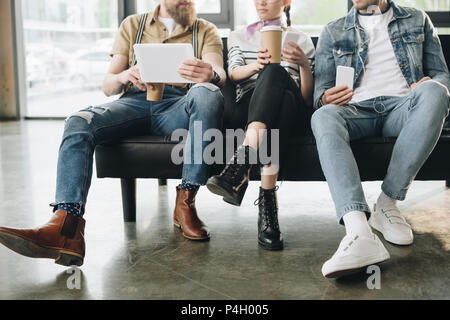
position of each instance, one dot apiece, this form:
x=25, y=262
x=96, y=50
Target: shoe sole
x=31, y=249
x=266, y=247
x=232, y=202
x=346, y=272
x=220, y=191
x=178, y=226
x=375, y=226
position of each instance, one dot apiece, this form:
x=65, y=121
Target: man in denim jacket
x=401, y=89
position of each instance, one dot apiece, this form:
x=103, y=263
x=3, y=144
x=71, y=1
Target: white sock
x=385, y=201
x=356, y=223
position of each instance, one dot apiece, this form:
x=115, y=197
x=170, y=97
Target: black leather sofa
x=149, y=156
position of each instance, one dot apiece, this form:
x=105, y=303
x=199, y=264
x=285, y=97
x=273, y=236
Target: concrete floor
x=151, y=260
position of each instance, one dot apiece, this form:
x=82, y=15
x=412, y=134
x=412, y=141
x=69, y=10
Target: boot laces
x=269, y=206
x=233, y=169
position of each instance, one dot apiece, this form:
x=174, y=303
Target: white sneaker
x=354, y=253
x=392, y=225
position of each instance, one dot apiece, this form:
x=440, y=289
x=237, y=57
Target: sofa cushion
x=150, y=157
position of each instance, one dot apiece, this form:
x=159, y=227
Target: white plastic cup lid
x=271, y=28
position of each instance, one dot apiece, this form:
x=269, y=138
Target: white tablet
x=159, y=63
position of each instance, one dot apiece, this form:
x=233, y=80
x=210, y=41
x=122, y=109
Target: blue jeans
x=416, y=120
x=133, y=115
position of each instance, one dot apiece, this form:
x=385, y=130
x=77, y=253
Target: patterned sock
x=189, y=187
x=75, y=209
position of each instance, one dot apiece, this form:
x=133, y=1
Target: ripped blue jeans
x=133, y=115
x=416, y=120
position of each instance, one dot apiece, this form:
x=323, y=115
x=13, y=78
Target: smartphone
x=344, y=76
x=290, y=36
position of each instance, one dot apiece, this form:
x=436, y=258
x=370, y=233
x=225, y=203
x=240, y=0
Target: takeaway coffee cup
x=155, y=94
x=271, y=40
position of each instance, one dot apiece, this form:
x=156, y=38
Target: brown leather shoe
x=185, y=216
x=62, y=239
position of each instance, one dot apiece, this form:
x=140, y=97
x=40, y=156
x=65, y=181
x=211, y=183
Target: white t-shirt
x=169, y=23
x=382, y=75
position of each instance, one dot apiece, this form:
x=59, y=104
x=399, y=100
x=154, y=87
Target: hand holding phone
x=342, y=93
x=344, y=76
x=339, y=95
x=289, y=36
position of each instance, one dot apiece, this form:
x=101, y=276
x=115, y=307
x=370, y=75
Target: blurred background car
x=45, y=64
x=88, y=68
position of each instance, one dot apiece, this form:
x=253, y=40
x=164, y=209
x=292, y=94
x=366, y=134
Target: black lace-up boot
x=269, y=234
x=232, y=182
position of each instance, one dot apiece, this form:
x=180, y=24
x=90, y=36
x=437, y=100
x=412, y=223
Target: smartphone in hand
x=345, y=76
x=289, y=36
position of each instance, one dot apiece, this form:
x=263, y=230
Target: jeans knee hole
x=86, y=115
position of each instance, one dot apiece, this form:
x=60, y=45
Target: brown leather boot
x=62, y=239
x=185, y=216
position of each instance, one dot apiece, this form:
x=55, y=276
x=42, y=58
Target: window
x=67, y=46
x=307, y=15
x=216, y=11
x=438, y=10
x=427, y=5
x=67, y=42
x=202, y=6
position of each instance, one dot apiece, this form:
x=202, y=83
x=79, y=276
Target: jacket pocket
x=414, y=37
x=343, y=52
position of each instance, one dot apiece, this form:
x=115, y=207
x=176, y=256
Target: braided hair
x=287, y=11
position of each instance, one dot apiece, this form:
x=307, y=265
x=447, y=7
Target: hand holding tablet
x=159, y=63
x=196, y=70
x=170, y=63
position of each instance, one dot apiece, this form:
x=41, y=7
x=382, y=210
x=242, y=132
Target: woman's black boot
x=269, y=234
x=232, y=182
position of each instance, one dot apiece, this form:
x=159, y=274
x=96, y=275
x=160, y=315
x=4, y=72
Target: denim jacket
x=413, y=37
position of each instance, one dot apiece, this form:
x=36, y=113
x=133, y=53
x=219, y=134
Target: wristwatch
x=320, y=104
x=216, y=79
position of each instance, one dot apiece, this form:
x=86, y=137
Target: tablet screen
x=159, y=63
